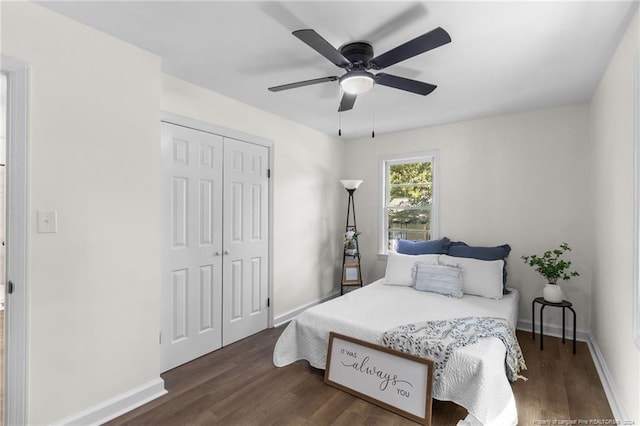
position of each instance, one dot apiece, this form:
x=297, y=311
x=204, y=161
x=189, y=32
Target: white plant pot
x=552, y=293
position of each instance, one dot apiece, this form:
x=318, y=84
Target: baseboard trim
x=288, y=316
x=116, y=406
x=555, y=331
x=607, y=381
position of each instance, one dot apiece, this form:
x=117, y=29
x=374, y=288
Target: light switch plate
x=47, y=222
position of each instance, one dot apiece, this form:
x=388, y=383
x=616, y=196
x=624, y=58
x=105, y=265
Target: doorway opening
x=14, y=121
x=3, y=144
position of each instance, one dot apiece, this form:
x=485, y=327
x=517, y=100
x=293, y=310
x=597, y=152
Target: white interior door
x=246, y=236
x=191, y=247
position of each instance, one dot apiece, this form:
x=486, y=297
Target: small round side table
x=543, y=304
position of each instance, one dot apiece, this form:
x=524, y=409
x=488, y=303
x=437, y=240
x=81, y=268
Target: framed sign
x=351, y=273
x=393, y=380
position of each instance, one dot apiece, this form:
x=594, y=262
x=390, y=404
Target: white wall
x=93, y=294
x=520, y=179
x=612, y=126
x=308, y=196
x=94, y=155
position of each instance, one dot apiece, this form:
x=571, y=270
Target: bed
x=474, y=377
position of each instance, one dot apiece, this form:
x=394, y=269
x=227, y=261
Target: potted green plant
x=351, y=243
x=553, y=267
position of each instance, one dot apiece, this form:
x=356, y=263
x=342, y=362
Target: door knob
x=226, y=252
x=217, y=253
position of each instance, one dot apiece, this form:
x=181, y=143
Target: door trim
x=180, y=120
x=16, y=348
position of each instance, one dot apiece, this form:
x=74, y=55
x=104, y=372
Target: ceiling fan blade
x=302, y=83
x=402, y=83
x=418, y=45
x=347, y=102
x=323, y=47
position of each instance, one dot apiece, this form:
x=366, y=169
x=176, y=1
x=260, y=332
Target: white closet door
x=191, y=244
x=246, y=248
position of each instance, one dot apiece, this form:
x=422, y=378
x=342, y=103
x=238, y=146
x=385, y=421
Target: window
x=409, y=199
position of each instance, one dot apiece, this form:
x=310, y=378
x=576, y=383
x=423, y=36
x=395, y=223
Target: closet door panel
x=191, y=323
x=246, y=240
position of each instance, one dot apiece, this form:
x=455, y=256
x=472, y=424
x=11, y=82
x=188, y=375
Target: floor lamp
x=351, y=274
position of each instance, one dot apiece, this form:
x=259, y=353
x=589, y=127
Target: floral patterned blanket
x=439, y=339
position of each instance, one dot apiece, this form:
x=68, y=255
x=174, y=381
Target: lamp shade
x=356, y=82
x=350, y=183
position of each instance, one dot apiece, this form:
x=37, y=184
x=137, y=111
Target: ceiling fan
x=357, y=60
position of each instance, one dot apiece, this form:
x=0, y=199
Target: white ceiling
x=504, y=56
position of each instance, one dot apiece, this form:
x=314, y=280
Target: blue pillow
x=461, y=249
x=414, y=247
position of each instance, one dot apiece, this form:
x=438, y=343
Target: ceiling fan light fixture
x=356, y=82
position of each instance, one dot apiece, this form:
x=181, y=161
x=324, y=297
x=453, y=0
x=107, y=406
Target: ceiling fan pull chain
x=373, y=113
x=339, y=111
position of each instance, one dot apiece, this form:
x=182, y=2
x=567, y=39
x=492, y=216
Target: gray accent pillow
x=441, y=279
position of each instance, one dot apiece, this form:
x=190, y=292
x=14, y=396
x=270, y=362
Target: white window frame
x=434, y=157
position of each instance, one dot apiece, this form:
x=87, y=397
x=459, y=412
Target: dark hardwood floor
x=238, y=385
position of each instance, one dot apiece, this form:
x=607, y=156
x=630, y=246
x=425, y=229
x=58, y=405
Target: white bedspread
x=475, y=375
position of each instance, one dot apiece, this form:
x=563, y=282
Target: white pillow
x=399, y=267
x=479, y=277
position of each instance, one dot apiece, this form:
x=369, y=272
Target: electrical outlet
x=47, y=222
